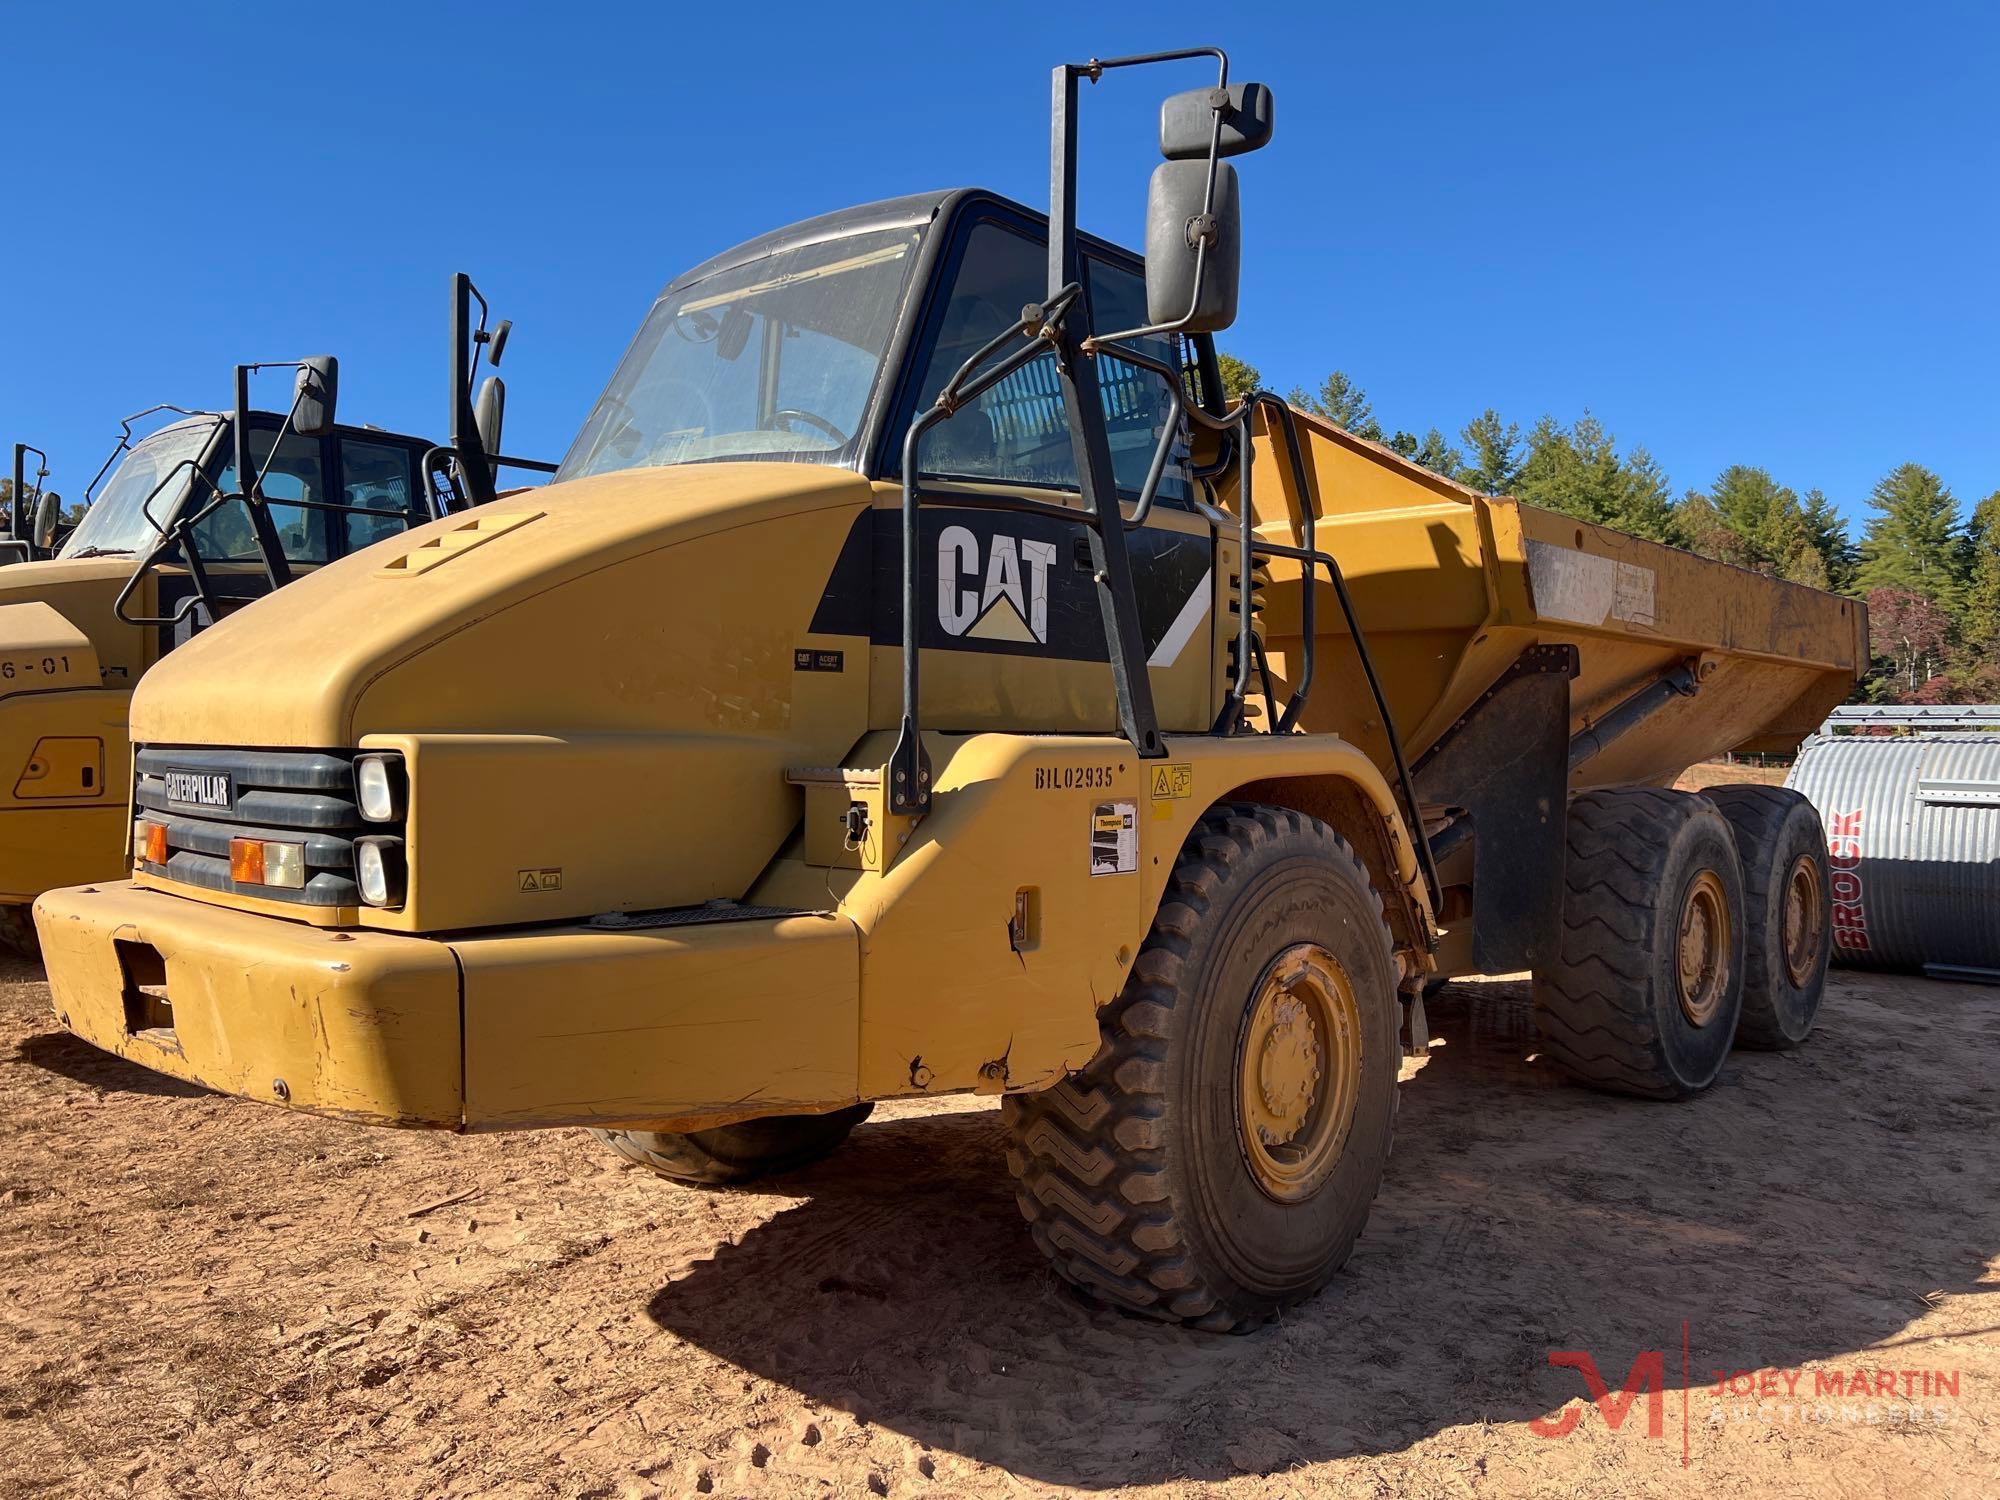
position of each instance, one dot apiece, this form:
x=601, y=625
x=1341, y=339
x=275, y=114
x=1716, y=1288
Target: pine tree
x=1494, y=463
x=1342, y=403
x=1645, y=504
x=1790, y=546
x=1747, y=518
x=1912, y=542
x=1435, y=454
x=1829, y=538
x=1982, y=592
x=1239, y=378
x=1707, y=533
x=1759, y=510
x=1552, y=475
x=1574, y=470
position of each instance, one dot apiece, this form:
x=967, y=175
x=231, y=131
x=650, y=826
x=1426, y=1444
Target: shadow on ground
x=1799, y=1211
x=60, y=1053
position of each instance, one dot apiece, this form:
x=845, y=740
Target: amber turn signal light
x=262, y=862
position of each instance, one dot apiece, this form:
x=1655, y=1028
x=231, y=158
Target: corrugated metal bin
x=1913, y=838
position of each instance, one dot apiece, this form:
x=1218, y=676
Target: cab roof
x=911, y=210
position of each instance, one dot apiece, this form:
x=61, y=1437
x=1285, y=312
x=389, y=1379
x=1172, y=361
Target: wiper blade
x=102, y=552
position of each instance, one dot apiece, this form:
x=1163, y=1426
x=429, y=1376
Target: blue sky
x=1752, y=233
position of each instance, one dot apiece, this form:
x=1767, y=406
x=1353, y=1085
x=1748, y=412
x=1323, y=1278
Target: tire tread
x=1119, y=1234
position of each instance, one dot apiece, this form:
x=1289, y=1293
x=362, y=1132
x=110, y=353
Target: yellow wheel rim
x=1704, y=948
x=1803, y=920
x=1299, y=1072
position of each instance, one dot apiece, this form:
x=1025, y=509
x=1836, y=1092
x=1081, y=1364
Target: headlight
x=379, y=870
x=378, y=786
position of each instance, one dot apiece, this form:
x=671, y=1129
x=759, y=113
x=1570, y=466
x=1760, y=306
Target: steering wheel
x=793, y=413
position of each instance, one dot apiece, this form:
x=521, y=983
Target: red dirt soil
x=206, y=1296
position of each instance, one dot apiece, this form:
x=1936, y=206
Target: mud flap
x=1506, y=763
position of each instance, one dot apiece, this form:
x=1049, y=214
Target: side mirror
x=1177, y=230
x=48, y=511
x=313, y=394
x=1187, y=121
x=489, y=410
x=496, y=343
x=735, y=334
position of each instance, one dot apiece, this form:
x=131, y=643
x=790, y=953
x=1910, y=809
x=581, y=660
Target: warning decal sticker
x=1114, y=838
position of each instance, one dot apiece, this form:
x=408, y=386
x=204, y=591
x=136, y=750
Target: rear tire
x=1788, y=897
x=17, y=932
x=1647, y=984
x=738, y=1153
x=1216, y=1160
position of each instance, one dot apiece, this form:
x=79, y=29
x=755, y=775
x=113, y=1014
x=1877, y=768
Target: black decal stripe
x=863, y=594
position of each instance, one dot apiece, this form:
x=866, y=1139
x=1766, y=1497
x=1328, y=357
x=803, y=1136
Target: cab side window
x=1136, y=400
x=1017, y=432
x=378, y=481
x=296, y=473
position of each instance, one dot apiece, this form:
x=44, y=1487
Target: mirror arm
x=475, y=477
x=276, y=567
x=178, y=532
x=22, y=521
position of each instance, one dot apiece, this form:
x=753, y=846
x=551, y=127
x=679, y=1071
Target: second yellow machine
x=168, y=546
x=919, y=678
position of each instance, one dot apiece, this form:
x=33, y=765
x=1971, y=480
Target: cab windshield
x=774, y=359
x=116, y=521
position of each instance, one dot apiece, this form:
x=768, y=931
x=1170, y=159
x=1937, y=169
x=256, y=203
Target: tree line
x=1928, y=568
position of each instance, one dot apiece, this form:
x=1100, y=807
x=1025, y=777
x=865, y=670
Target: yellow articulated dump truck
x=919, y=678
x=170, y=544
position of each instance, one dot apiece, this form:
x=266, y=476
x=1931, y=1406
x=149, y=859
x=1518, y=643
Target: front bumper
x=674, y=1025
x=362, y=1025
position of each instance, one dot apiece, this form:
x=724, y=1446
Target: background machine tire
x=1215, y=1161
x=17, y=932
x=1789, y=909
x=741, y=1152
x=1647, y=984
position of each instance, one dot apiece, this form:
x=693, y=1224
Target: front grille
x=295, y=796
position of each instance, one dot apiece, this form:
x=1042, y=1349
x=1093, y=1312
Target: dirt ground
x=1726, y=773
x=204, y=1296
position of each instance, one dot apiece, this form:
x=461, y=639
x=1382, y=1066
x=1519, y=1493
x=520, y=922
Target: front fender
x=948, y=998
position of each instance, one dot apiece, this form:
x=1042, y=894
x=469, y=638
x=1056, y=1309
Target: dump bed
x=1451, y=586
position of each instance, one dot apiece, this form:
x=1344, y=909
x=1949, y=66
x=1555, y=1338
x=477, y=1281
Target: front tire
x=1646, y=987
x=742, y=1152
x=1216, y=1160
x=1790, y=912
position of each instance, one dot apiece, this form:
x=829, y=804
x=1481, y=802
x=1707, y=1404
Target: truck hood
x=579, y=607
x=37, y=580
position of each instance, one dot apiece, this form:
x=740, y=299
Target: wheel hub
x=1703, y=949
x=1805, y=912
x=1288, y=1071
x=1299, y=1077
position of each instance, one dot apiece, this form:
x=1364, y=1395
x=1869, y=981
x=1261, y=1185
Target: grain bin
x=1913, y=835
